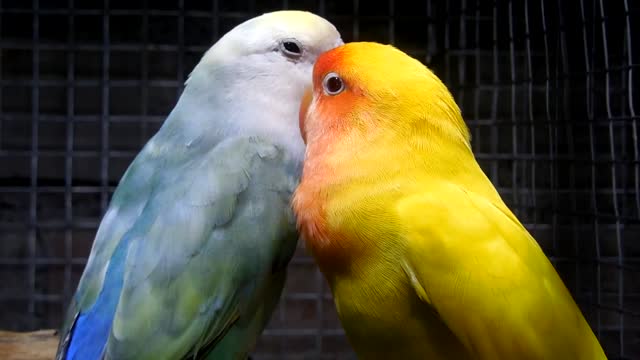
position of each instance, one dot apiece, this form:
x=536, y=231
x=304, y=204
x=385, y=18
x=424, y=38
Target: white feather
x=244, y=86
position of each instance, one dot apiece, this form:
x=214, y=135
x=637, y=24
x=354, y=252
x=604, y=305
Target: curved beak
x=304, y=108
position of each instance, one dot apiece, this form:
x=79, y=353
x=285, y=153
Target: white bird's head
x=252, y=80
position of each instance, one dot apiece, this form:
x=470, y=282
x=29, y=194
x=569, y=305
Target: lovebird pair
x=424, y=259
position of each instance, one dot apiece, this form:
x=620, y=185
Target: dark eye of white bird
x=333, y=84
x=291, y=48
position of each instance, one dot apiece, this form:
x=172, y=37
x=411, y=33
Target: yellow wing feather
x=488, y=279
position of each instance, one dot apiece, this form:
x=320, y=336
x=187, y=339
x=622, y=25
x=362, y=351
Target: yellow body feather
x=424, y=259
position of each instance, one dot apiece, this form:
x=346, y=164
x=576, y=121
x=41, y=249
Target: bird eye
x=333, y=84
x=291, y=48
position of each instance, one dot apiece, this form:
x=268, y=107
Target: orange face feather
x=323, y=112
x=322, y=119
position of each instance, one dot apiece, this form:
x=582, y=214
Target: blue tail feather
x=91, y=330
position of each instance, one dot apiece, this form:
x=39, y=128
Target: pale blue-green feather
x=209, y=239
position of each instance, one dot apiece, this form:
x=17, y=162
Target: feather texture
x=194, y=262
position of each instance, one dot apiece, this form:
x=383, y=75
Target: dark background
x=549, y=89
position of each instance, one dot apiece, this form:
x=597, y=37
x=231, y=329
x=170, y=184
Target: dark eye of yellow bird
x=332, y=84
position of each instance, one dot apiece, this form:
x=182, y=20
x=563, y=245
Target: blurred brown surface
x=37, y=345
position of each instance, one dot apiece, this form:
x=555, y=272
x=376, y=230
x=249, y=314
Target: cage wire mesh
x=548, y=88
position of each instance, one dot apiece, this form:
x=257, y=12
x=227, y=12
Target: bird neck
x=346, y=200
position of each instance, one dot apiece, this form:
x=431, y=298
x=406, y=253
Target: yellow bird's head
x=369, y=87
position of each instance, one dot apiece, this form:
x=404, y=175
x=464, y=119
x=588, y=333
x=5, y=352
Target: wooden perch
x=37, y=345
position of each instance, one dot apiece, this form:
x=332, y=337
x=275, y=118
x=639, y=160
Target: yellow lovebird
x=424, y=259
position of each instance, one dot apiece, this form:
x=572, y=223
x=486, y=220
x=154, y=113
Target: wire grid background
x=548, y=88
